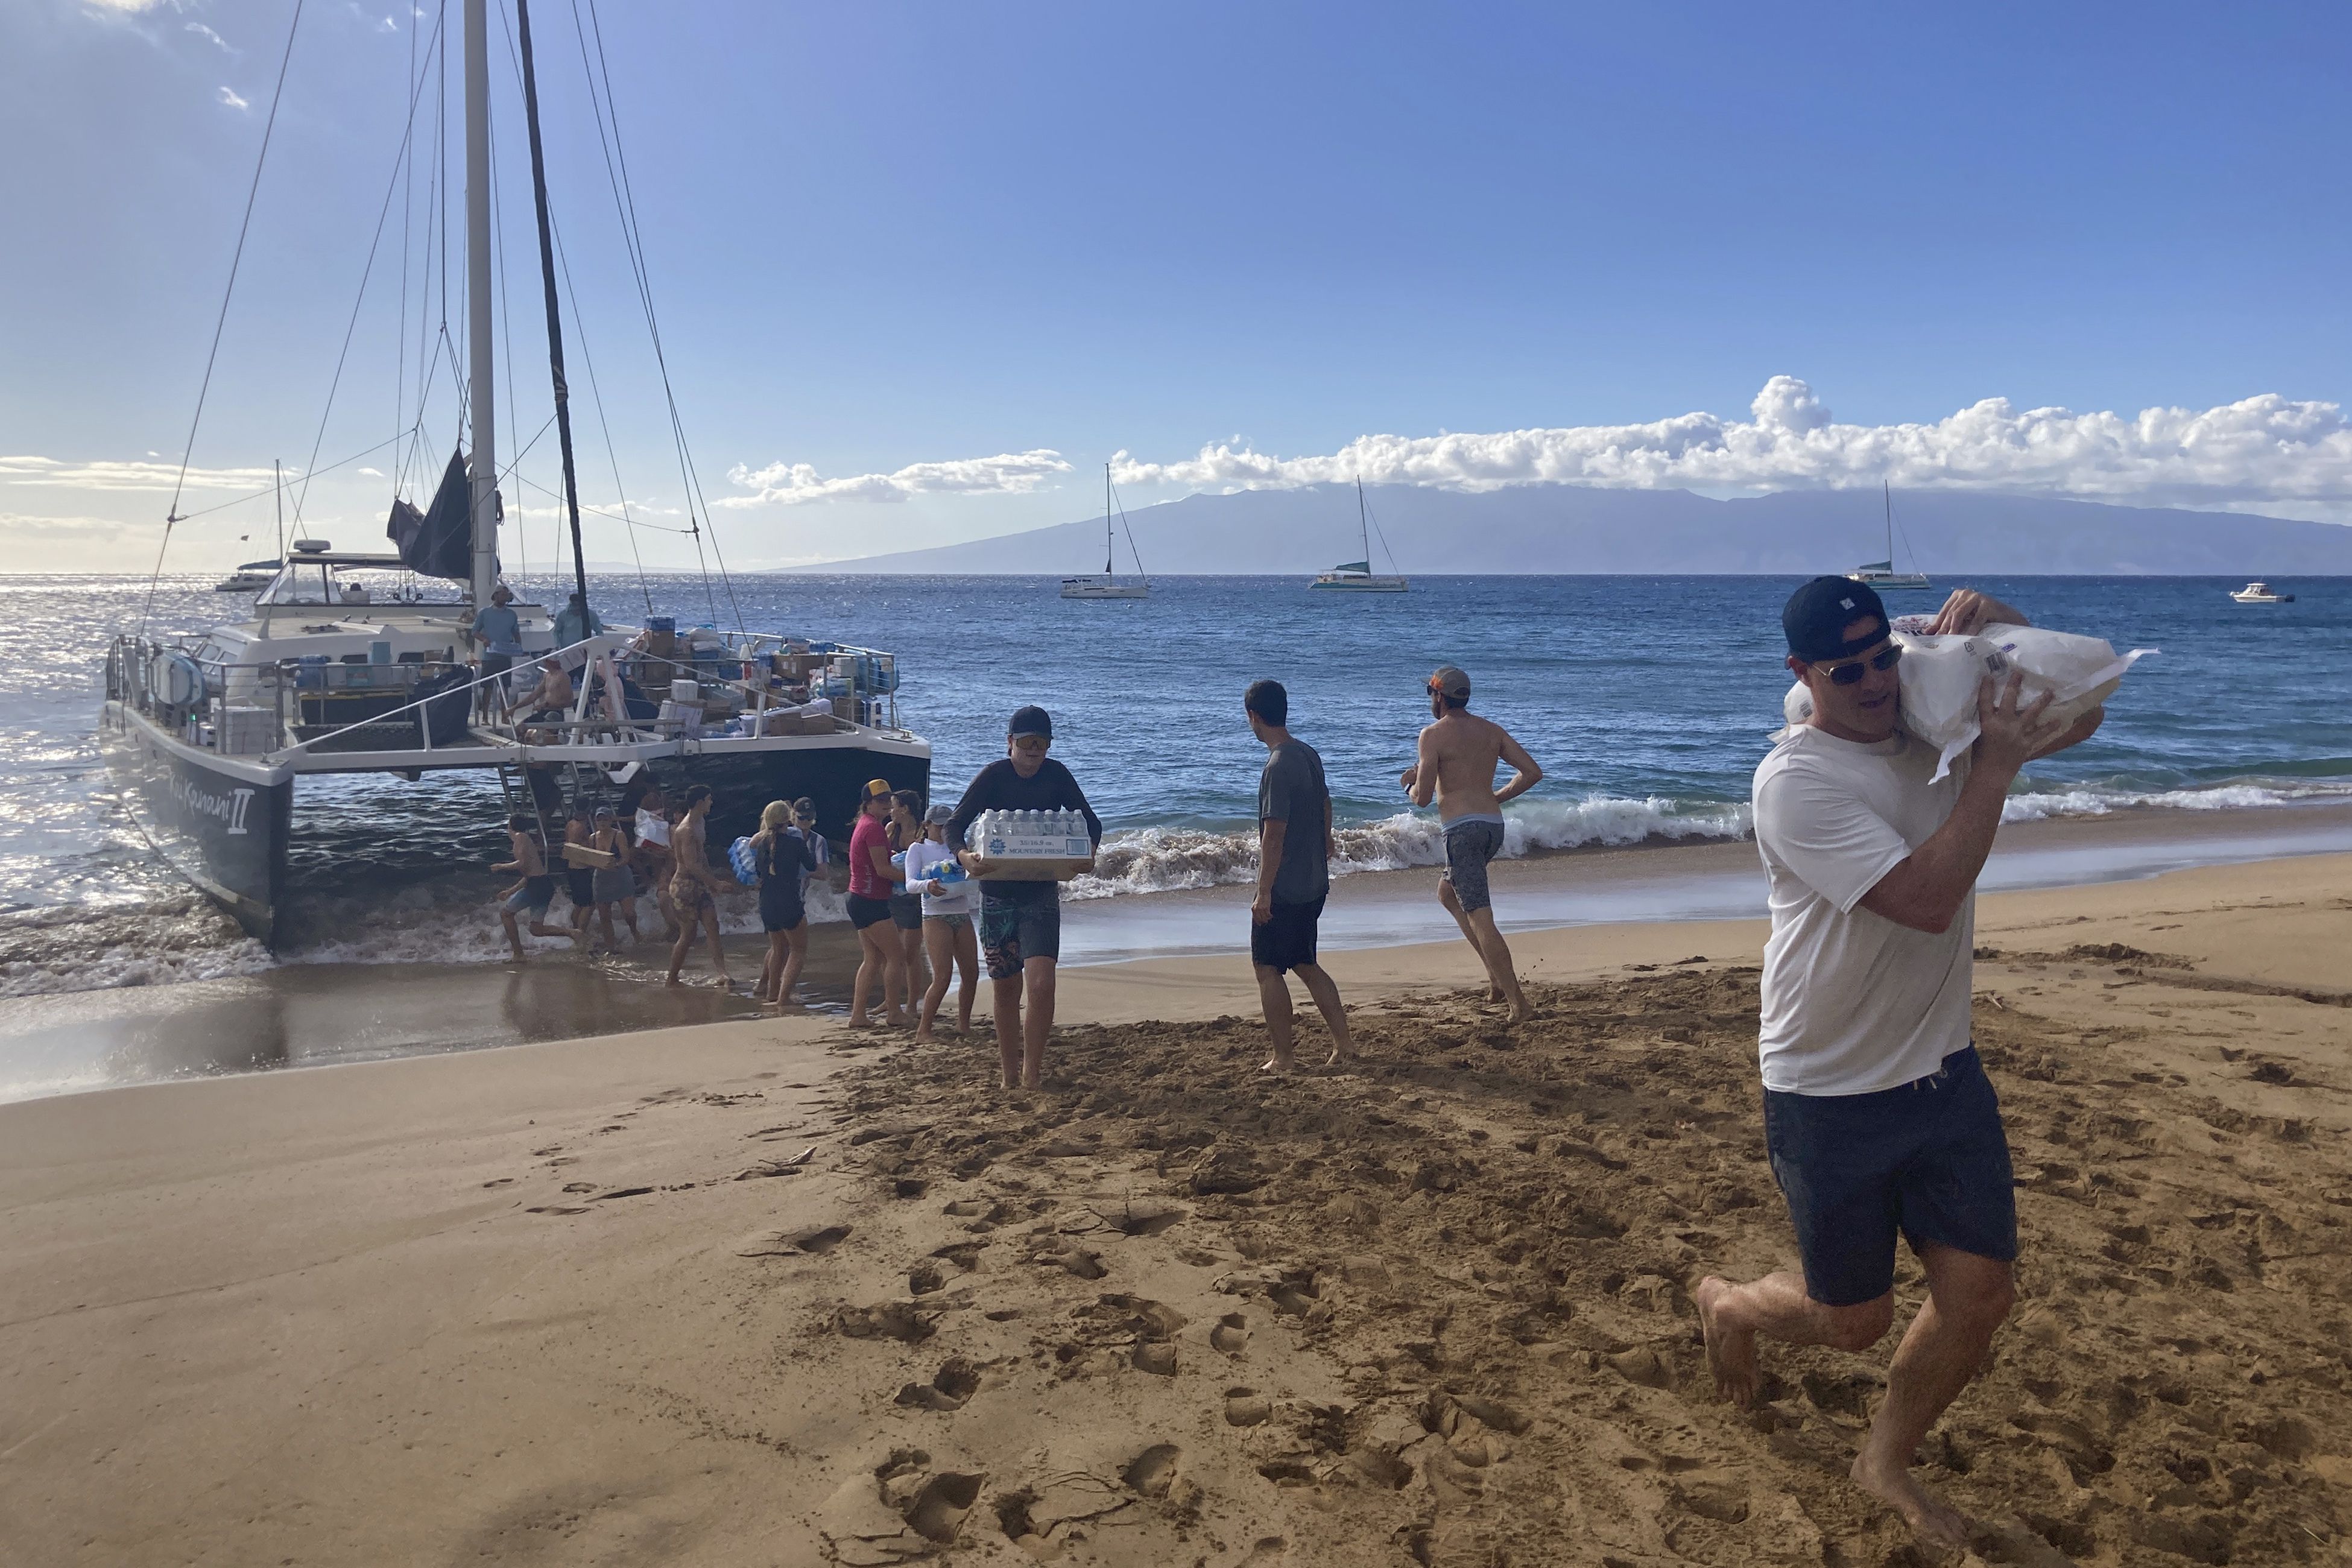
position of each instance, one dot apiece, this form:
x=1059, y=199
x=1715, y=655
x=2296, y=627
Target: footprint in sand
x=950, y=1388
x=1231, y=1334
x=886, y=1320
x=1246, y=1407
x=924, y=1278
x=816, y=1242
x=1153, y=1471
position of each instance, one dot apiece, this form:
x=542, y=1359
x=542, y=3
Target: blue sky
x=891, y=245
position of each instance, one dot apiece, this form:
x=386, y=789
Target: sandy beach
x=767, y=1293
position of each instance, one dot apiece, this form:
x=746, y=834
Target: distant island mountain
x=1566, y=529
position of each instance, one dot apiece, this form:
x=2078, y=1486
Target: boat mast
x=1363, y=528
x=547, y=279
x=1886, y=493
x=278, y=470
x=482, y=467
x=1105, y=520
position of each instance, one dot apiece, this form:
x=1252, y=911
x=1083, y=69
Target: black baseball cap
x=1817, y=615
x=1030, y=720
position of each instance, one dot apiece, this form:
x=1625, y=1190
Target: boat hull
x=832, y=777
x=221, y=825
x=1366, y=585
x=1104, y=591
x=1892, y=582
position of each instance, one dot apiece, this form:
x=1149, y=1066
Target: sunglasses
x=1847, y=674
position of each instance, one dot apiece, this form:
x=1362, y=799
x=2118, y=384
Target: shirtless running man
x=1456, y=767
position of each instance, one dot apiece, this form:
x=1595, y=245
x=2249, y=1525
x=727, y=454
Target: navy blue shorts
x=1927, y=1159
x=1287, y=942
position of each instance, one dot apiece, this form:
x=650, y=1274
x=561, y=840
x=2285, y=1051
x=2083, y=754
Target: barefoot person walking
x=784, y=859
x=881, y=962
x=1877, y=1115
x=948, y=934
x=1021, y=923
x=1294, y=873
x=694, y=886
x=1456, y=767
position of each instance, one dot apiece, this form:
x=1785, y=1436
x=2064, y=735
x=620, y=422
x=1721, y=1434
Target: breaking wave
x=1167, y=859
x=2245, y=794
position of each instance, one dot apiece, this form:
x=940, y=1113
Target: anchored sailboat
x=1106, y=586
x=1358, y=576
x=1882, y=575
x=339, y=671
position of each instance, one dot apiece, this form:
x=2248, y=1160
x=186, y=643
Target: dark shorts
x=1286, y=940
x=535, y=894
x=1468, y=847
x=906, y=911
x=580, y=882
x=865, y=912
x=1011, y=934
x=1927, y=1158
x=781, y=906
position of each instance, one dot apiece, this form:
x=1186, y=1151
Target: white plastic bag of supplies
x=1941, y=676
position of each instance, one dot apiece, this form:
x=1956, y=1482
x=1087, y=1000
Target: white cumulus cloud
x=200, y=30
x=2265, y=450
x=795, y=484
x=228, y=96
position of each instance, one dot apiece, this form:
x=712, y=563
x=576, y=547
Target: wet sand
x=315, y=1014
x=574, y=1302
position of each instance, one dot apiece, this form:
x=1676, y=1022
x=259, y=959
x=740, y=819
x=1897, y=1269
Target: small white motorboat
x=2259, y=593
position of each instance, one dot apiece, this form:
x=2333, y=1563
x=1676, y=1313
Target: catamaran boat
x=1882, y=575
x=1089, y=585
x=1358, y=576
x=2260, y=593
x=250, y=578
x=346, y=666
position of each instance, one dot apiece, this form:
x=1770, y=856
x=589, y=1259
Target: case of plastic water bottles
x=1030, y=846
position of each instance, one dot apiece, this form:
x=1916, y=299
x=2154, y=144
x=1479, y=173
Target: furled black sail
x=439, y=543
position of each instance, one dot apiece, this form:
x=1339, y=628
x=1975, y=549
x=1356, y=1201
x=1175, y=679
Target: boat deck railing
x=597, y=728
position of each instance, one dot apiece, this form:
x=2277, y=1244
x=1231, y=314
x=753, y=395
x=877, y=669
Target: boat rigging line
x=399, y=163
x=171, y=514
x=616, y=170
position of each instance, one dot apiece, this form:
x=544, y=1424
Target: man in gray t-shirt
x=1293, y=811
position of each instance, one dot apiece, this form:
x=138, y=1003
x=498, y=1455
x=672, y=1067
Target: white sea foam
x=2250, y=795
x=1165, y=859
x=77, y=948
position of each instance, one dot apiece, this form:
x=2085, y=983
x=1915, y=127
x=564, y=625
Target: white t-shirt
x=921, y=858
x=1852, y=1002
x=652, y=828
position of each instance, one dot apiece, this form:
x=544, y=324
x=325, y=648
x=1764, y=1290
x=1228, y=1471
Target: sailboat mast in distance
x=1105, y=520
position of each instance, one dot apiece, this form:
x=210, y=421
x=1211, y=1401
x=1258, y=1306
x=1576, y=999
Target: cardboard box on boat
x=589, y=858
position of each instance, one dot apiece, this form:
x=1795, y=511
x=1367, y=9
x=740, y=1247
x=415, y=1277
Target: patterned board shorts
x=1011, y=934
x=1469, y=845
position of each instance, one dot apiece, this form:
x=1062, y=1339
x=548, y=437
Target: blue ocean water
x=1648, y=700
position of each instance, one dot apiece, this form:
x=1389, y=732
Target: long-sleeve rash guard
x=998, y=787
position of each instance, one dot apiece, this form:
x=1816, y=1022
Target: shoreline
x=590, y=1299
x=320, y=1014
